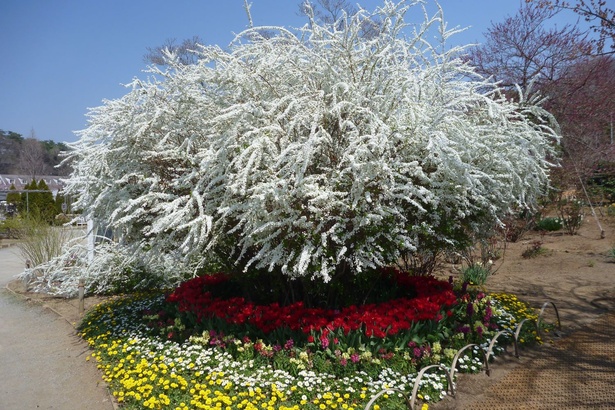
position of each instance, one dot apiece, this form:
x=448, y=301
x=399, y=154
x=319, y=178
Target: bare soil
x=576, y=273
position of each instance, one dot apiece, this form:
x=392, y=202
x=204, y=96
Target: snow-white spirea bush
x=312, y=151
x=114, y=269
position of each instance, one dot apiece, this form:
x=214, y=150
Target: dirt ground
x=576, y=273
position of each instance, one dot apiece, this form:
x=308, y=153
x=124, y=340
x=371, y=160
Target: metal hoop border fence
x=450, y=371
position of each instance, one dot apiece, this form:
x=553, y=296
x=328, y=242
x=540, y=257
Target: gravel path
x=42, y=360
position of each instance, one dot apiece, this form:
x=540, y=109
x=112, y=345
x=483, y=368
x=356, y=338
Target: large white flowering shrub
x=312, y=151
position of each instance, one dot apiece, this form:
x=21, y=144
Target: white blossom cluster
x=310, y=150
x=115, y=268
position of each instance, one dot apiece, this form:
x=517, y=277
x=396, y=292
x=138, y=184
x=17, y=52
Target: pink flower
x=324, y=342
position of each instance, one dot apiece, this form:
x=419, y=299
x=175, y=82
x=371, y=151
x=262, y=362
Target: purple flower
x=470, y=309
x=488, y=315
x=355, y=358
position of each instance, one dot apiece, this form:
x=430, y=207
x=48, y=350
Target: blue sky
x=60, y=57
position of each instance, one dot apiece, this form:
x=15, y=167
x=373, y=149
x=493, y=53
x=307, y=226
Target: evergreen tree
x=37, y=201
x=46, y=203
x=28, y=198
x=60, y=199
x=13, y=199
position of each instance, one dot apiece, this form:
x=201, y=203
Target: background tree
x=582, y=100
x=31, y=160
x=13, y=198
x=30, y=156
x=524, y=48
x=9, y=150
x=331, y=12
x=37, y=201
x=29, y=197
x=184, y=51
x=46, y=203
x=54, y=154
x=600, y=17
x=327, y=11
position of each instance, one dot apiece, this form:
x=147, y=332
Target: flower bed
x=160, y=351
x=195, y=302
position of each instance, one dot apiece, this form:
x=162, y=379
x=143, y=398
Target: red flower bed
x=432, y=302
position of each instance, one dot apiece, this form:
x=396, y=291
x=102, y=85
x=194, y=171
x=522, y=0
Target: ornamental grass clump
x=476, y=274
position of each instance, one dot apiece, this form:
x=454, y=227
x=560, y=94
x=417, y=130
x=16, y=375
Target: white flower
x=287, y=151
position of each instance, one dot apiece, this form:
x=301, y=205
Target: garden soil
x=575, y=367
x=43, y=365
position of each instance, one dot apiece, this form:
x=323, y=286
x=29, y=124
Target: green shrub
x=571, y=214
x=549, y=224
x=476, y=274
x=130, y=279
x=11, y=227
x=534, y=250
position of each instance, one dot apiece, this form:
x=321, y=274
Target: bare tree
x=522, y=48
x=32, y=158
x=327, y=11
x=332, y=12
x=600, y=17
x=184, y=51
x=525, y=49
x=582, y=100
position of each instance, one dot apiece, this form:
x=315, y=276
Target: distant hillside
x=29, y=156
